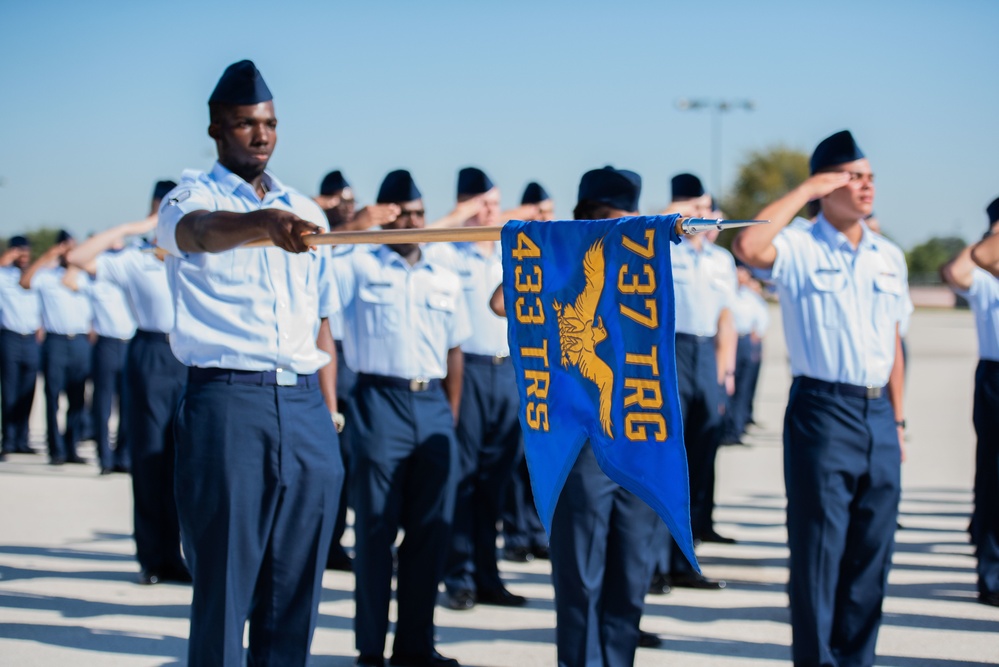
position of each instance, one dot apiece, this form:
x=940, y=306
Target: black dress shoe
x=461, y=600
x=500, y=597
x=660, y=585
x=542, y=552
x=338, y=559
x=149, y=578
x=518, y=554
x=24, y=450
x=370, y=661
x=649, y=639
x=106, y=471
x=694, y=580
x=434, y=659
x=712, y=536
x=56, y=461
x=989, y=597
x=75, y=459
x=120, y=468
x=177, y=574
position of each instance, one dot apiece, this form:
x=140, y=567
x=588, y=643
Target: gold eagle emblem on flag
x=580, y=331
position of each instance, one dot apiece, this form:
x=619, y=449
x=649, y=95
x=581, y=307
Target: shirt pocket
x=379, y=312
x=682, y=273
x=228, y=268
x=440, y=308
x=887, y=300
x=827, y=293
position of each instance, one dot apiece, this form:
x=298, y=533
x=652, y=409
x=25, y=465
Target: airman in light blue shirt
x=245, y=309
x=63, y=310
x=480, y=272
x=842, y=305
x=112, y=315
x=20, y=309
x=399, y=320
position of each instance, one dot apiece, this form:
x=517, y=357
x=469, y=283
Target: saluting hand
x=821, y=184
x=376, y=215
x=285, y=229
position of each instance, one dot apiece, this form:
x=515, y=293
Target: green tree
x=764, y=176
x=925, y=259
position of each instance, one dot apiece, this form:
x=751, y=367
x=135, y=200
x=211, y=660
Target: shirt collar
x=230, y=182
x=387, y=256
x=837, y=239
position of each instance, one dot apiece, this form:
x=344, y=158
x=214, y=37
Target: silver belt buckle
x=286, y=378
x=498, y=360
x=418, y=384
x=873, y=392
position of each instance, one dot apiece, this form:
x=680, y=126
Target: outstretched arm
x=85, y=255
x=218, y=231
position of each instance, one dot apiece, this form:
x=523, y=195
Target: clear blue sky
x=100, y=99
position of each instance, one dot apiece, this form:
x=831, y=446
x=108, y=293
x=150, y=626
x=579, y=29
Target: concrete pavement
x=67, y=572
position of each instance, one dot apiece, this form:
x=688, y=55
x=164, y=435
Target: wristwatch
x=900, y=423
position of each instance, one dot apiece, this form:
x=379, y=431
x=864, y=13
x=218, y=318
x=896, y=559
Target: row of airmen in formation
x=245, y=363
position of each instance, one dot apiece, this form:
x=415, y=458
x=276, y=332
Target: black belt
x=11, y=332
x=486, y=360
x=989, y=365
x=280, y=378
x=691, y=338
x=841, y=388
x=65, y=336
x=417, y=385
x=159, y=336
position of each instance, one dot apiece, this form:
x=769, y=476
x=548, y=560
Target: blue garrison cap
x=398, y=187
x=833, y=150
x=686, y=186
x=332, y=183
x=617, y=188
x=241, y=84
x=473, y=181
x=63, y=235
x=18, y=242
x=993, y=211
x=162, y=188
x=534, y=193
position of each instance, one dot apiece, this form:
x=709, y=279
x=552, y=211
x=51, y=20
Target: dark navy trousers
x=986, y=523
x=345, y=381
x=522, y=527
x=842, y=475
x=65, y=367
x=740, y=403
x=257, y=483
x=154, y=383
x=20, y=358
x=488, y=444
x=108, y=377
x=602, y=560
x=403, y=475
x=701, y=407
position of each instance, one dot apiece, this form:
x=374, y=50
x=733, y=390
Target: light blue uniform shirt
x=336, y=259
x=20, y=309
x=749, y=312
x=255, y=309
x=112, y=316
x=479, y=275
x=63, y=310
x=143, y=278
x=983, y=297
x=704, y=283
x=399, y=320
x=840, y=306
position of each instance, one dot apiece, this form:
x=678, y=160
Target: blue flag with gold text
x=591, y=324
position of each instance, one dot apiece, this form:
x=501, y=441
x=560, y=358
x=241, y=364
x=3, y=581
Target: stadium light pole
x=717, y=108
